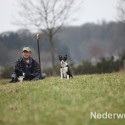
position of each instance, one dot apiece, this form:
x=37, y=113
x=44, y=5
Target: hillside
x=62, y=102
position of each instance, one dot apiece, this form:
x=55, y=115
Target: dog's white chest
x=64, y=71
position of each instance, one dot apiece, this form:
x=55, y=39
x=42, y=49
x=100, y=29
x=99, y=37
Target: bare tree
x=121, y=11
x=48, y=16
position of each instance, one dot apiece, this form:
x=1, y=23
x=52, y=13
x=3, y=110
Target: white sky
x=92, y=11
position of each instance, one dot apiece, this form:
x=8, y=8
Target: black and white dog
x=64, y=68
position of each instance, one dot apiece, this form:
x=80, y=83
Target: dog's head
x=63, y=60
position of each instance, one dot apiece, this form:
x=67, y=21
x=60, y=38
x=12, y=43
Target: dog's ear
x=65, y=57
x=60, y=57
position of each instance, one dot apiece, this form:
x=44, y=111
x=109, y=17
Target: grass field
x=63, y=102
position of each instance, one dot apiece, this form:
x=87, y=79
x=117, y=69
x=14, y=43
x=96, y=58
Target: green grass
x=53, y=101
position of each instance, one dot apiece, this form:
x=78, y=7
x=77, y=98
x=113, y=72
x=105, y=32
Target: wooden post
x=38, y=37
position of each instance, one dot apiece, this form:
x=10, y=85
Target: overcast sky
x=92, y=11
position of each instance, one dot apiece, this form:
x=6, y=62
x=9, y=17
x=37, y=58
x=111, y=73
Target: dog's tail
x=70, y=74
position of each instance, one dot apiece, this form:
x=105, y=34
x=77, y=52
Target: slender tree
x=121, y=11
x=48, y=16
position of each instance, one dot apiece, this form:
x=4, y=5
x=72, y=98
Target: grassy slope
x=61, y=102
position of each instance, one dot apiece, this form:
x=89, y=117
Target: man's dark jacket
x=29, y=67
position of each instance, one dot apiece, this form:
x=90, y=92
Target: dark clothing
x=29, y=67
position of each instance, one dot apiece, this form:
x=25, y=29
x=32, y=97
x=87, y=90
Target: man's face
x=26, y=54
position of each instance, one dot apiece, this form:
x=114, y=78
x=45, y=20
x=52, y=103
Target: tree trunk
x=52, y=51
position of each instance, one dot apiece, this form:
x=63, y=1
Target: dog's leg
x=61, y=73
x=67, y=76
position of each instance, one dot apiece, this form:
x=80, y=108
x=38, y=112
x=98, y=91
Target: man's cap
x=26, y=49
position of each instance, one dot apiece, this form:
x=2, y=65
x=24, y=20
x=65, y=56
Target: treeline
x=79, y=43
x=103, y=66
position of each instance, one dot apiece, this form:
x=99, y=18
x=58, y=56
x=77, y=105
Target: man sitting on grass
x=27, y=67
